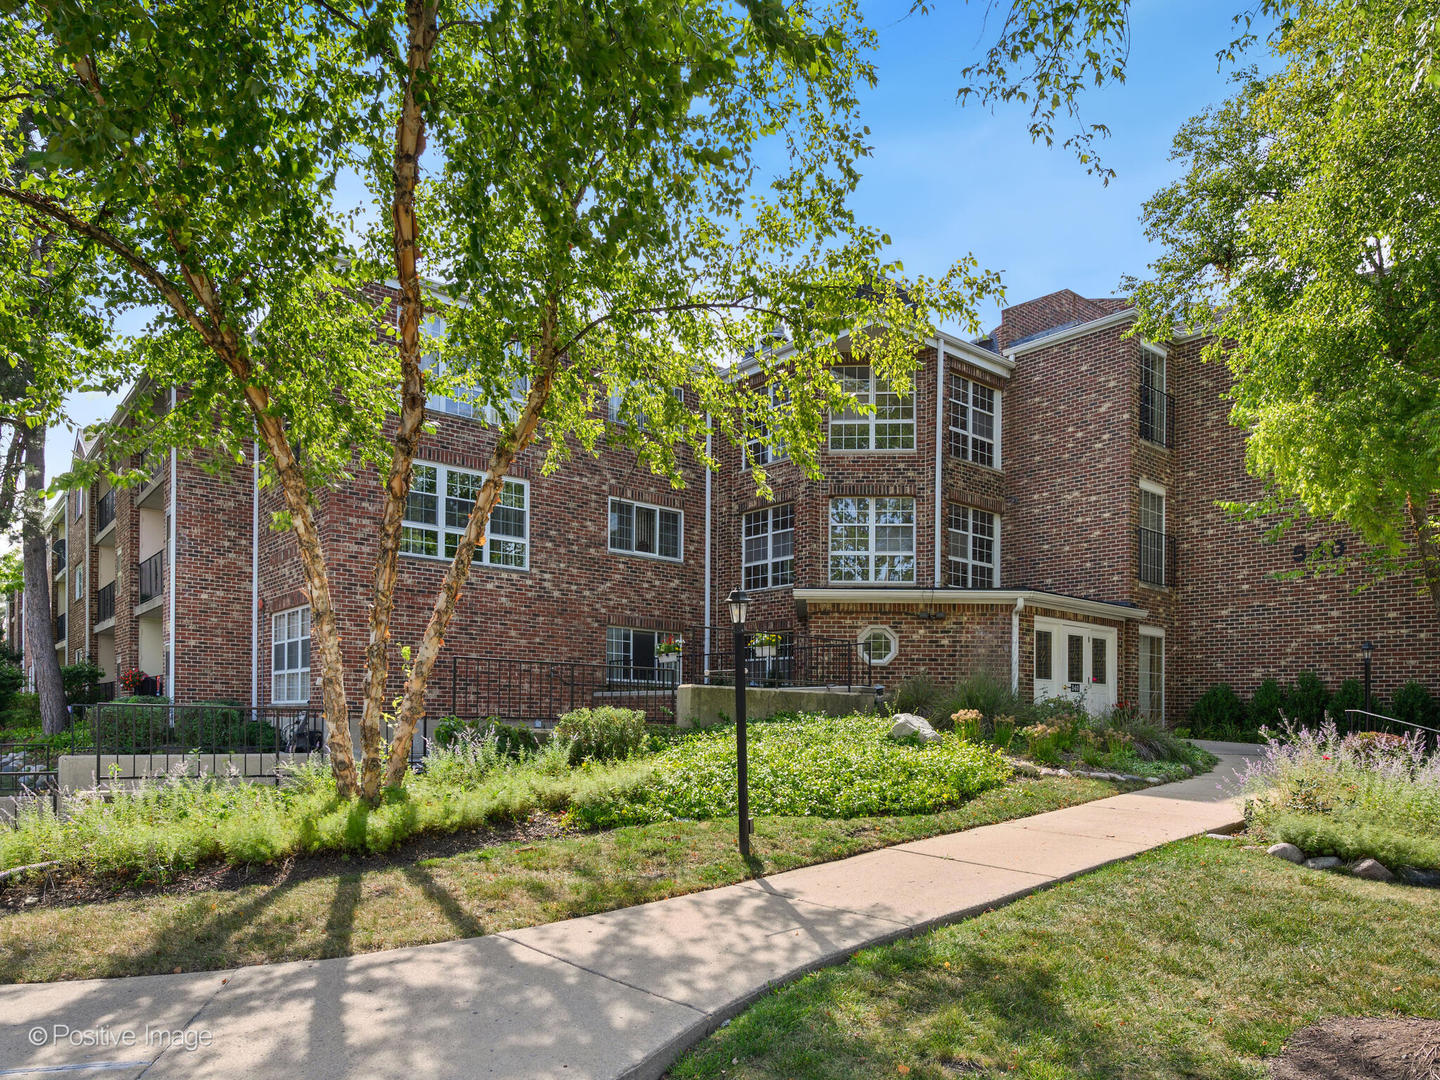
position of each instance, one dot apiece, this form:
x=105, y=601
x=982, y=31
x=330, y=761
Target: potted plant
x=668, y=649
x=765, y=645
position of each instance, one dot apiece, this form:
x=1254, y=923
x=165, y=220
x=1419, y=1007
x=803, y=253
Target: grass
x=1195, y=960
x=480, y=892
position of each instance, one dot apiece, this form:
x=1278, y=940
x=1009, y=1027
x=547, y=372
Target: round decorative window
x=879, y=644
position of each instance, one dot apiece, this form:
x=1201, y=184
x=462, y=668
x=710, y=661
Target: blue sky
x=945, y=180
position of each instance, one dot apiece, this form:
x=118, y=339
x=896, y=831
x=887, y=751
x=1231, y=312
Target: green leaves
x=1304, y=233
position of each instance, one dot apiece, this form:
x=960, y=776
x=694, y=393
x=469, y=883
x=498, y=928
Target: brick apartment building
x=1044, y=506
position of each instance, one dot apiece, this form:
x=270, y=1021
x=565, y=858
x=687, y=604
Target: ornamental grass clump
x=1355, y=796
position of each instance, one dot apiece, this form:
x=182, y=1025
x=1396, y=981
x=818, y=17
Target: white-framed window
x=878, y=644
x=1152, y=673
x=438, y=510
x=1154, y=544
x=615, y=407
x=972, y=537
x=631, y=656
x=872, y=540
x=1154, y=401
x=768, y=547
x=465, y=401
x=973, y=420
x=80, y=582
x=890, y=427
x=290, y=652
x=762, y=448
x=642, y=529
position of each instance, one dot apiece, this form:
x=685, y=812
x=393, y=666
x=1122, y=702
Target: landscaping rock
x=1371, y=870
x=1413, y=876
x=1322, y=862
x=1221, y=836
x=1289, y=852
x=908, y=725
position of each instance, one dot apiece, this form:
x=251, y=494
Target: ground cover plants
x=1356, y=796
x=982, y=709
x=806, y=765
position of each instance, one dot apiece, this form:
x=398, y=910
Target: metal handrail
x=104, y=510
x=1157, y=556
x=1157, y=415
x=152, y=576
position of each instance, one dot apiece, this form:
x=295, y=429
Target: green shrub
x=1267, y=704
x=12, y=678
x=22, y=716
x=984, y=691
x=1307, y=700
x=511, y=741
x=79, y=680
x=220, y=727
x=921, y=695
x=119, y=729
x=1350, y=694
x=1414, y=704
x=1219, y=714
x=1352, y=838
x=601, y=734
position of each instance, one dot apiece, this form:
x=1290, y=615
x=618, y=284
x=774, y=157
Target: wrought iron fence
x=1157, y=557
x=104, y=510
x=1157, y=415
x=152, y=577
x=105, y=603
x=1357, y=720
x=131, y=741
x=28, y=770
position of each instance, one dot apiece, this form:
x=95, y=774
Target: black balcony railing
x=59, y=628
x=1157, y=415
x=105, y=603
x=152, y=576
x=105, y=510
x=57, y=556
x=1157, y=557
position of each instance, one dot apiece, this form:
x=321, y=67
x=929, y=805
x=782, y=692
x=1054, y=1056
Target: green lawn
x=480, y=892
x=1196, y=960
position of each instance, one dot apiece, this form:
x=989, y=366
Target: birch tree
x=595, y=198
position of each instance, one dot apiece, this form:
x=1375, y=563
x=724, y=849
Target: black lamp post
x=1366, y=648
x=739, y=607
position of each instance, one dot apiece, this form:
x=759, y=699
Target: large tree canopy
x=615, y=197
x=1304, y=236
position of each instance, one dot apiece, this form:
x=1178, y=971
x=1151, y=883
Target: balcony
x=57, y=558
x=1157, y=415
x=104, y=511
x=105, y=603
x=59, y=629
x=152, y=577
x=1157, y=557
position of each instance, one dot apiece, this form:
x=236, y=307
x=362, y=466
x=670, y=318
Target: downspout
x=255, y=579
x=709, y=478
x=170, y=541
x=89, y=581
x=939, y=448
x=1015, y=645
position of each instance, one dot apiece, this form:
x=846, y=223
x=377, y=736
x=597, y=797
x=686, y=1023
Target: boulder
x=908, y=725
x=1371, y=870
x=1288, y=852
x=1416, y=876
x=1322, y=862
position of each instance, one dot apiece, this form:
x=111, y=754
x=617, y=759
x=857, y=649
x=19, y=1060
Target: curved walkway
x=616, y=995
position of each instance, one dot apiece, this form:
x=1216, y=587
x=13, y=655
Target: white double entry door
x=1076, y=661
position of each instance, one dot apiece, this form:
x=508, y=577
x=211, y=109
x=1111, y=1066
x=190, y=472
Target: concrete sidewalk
x=618, y=995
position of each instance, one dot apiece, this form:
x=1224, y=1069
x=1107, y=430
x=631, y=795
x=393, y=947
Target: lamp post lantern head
x=1366, y=648
x=739, y=606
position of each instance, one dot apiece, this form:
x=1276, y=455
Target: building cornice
x=1105, y=322
x=974, y=597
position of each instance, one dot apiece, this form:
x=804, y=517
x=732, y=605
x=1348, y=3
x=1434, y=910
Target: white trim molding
x=1099, y=609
